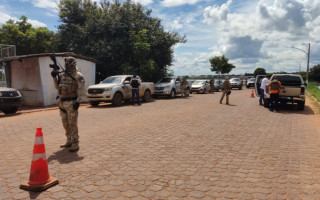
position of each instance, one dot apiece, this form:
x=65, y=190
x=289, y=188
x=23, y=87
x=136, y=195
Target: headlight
x=107, y=89
x=18, y=93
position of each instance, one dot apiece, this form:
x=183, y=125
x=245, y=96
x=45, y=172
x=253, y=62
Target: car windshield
x=113, y=79
x=198, y=83
x=252, y=79
x=289, y=80
x=166, y=80
x=235, y=80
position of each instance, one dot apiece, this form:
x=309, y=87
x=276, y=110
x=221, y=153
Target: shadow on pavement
x=290, y=109
x=2, y=115
x=293, y=109
x=63, y=156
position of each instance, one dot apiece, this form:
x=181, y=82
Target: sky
x=269, y=34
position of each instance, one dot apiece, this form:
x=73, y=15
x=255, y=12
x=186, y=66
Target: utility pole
x=308, y=54
x=307, y=74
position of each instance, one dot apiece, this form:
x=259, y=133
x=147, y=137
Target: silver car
x=218, y=84
x=200, y=86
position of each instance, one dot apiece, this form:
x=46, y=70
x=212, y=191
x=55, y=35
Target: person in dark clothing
x=135, y=83
x=274, y=89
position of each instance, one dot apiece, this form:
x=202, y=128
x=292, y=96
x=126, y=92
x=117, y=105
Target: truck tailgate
x=290, y=91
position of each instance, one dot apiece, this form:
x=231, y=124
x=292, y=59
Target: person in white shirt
x=264, y=83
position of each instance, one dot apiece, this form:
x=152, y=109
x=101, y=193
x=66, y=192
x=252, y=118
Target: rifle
x=56, y=66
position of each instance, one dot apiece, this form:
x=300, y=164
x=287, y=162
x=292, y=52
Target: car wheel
x=301, y=105
x=10, y=110
x=172, y=94
x=147, y=96
x=94, y=103
x=117, y=99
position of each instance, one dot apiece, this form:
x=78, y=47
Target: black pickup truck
x=10, y=100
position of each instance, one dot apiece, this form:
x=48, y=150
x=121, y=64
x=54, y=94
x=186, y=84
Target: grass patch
x=313, y=90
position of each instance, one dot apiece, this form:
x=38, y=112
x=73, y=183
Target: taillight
x=302, y=91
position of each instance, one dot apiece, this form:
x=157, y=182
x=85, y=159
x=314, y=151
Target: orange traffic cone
x=252, y=94
x=39, y=179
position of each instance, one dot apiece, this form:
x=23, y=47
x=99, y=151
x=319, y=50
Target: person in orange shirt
x=274, y=89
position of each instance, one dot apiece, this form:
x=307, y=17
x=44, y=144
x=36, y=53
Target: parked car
x=10, y=100
x=236, y=83
x=169, y=86
x=218, y=84
x=250, y=82
x=293, y=89
x=200, y=86
x=117, y=89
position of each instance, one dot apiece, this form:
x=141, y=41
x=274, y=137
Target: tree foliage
x=220, y=65
x=122, y=37
x=259, y=71
x=28, y=40
x=315, y=73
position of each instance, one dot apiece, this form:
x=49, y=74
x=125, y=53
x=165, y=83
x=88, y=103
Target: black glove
x=54, y=74
x=76, y=105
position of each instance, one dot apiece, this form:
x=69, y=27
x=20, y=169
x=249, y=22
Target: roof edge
x=61, y=54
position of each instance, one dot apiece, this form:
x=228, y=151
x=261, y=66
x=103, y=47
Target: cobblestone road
x=191, y=148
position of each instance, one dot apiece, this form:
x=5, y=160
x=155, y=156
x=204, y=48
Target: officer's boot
x=74, y=147
x=67, y=144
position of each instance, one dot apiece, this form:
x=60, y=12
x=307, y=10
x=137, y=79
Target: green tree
x=259, y=71
x=315, y=73
x=28, y=40
x=220, y=65
x=122, y=37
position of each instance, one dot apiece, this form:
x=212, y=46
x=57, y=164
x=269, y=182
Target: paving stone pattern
x=192, y=148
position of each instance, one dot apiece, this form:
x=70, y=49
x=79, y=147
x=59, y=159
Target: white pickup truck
x=293, y=89
x=117, y=89
x=169, y=86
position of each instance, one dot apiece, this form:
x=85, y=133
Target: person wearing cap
x=226, y=90
x=70, y=86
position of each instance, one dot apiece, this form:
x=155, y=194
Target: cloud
x=283, y=15
x=4, y=18
x=172, y=3
x=36, y=23
x=244, y=48
x=143, y=2
x=216, y=13
x=46, y=4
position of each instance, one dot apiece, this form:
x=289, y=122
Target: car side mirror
x=306, y=84
x=126, y=82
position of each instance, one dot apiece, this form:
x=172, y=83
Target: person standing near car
x=263, y=86
x=274, y=89
x=226, y=90
x=135, y=83
x=70, y=86
x=212, y=85
x=183, y=87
